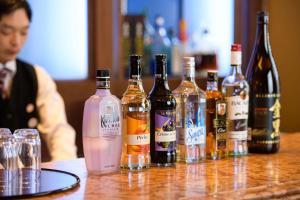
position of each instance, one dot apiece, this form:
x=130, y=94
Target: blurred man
x=28, y=96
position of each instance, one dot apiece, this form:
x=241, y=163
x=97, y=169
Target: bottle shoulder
x=160, y=92
x=166, y=101
x=261, y=62
x=134, y=95
x=188, y=90
x=263, y=77
x=96, y=101
x=235, y=80
x=214, y=94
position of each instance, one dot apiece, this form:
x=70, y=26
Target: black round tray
x=51, y=181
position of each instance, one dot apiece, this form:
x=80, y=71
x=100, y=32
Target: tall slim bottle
x=236, y=91
x=162, y=115
x=264, y=103
x=216, y=135
x=190, y=116
x=101, y=128
x=136, y=120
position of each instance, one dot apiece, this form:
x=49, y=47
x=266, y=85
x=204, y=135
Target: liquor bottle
x=190, y=116
x=264, y=103
x=101, y=128
x=136, y=120
x=216, y=135
x=236, y=91
x=162, y=117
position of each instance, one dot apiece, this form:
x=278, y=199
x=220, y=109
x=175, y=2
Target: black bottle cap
x=161, y=63
x=135, y=68
x=102, y=79
x=212, y=76
x=262, y=17
x=102, y=73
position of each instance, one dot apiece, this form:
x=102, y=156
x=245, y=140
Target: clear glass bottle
x=136, y=120
x=101, y=128
x=190, y=116
x=162, y=115
x=264, y=101
x=236, y=91
x=216, y=135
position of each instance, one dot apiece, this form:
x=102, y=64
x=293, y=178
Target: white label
x=238, y=135
x=166, y=136
x=109, y=118
x=237, y=107
x=194, y=136
x=139, y=139
x=236, y=57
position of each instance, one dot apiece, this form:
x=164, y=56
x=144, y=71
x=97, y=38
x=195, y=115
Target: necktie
x=3, y=72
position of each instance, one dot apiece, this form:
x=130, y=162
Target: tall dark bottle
x=264, y=101
x=162, y=117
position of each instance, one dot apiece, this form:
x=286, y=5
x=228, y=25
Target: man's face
x=13, y=34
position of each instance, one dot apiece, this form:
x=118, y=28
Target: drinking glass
x=8, y=166
x=28, y=147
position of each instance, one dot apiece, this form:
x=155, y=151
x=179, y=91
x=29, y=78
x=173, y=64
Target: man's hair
x=9, y=6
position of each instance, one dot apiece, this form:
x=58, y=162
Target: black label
x=266, y=117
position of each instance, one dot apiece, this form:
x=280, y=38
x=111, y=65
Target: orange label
x=138, y=133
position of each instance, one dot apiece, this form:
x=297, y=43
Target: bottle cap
x=135, y=65
x=189, y=66
x=102, y=79
x=262, y=17
x=212, y=76
x=236, y=54
x=236, y=47
x=102, y=73
x=188, y=61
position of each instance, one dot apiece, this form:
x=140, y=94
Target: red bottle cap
x=236, y=47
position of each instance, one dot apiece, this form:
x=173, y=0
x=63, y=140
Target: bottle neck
x=135, y=83
x=189, y=74
x=161, y=81
x=235, y=69
x=212, y=85
x=161, y=76
x=102, y=87
x=101, y=92
x=262, y=37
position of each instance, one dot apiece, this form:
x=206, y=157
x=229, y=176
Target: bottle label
x=191, y=136
x=266, y=118
x=237, y=107
x=237, y=115
x=138, y=133
x=220, y=125
x=165, y=130
x=192, y=130
x=109, y=125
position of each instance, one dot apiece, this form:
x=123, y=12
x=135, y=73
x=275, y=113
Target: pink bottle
x=101, y=129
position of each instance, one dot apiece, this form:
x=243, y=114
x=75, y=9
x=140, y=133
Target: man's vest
x=20, y=110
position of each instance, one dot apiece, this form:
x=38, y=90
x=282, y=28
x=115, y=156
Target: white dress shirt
x=58, y=134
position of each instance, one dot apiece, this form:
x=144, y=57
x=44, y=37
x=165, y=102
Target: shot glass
x=8, y=168
x=28, y=147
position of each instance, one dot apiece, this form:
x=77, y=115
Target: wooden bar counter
x=255, y=176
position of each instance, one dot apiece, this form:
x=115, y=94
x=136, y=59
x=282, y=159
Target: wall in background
x=58, y=38
x=285, y=43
